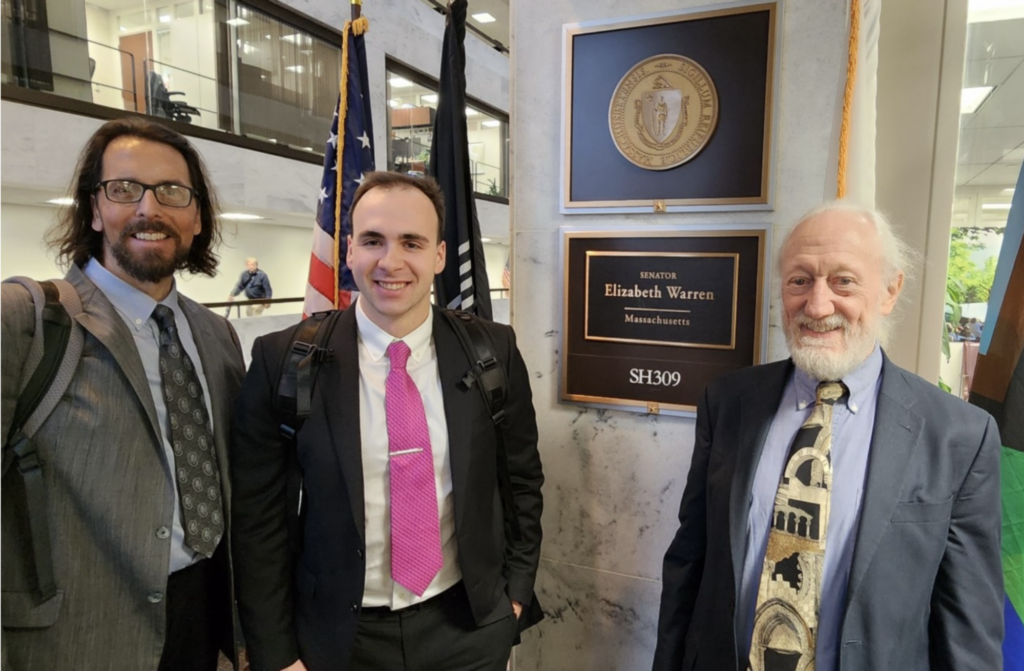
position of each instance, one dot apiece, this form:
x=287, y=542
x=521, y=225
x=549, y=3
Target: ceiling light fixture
x=995, y=206
x=972, y=98
x=399, y=82
x=491, y=123
x=240, y=216
x=1008, y=192
x=471, y=112
x=237, y=22
x=484, y=17
x=429, y=98
x=61, y=201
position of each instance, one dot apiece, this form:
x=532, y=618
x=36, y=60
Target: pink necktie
x=415, y=530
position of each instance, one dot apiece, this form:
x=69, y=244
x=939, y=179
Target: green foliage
x=975, y=280
x=492, y=187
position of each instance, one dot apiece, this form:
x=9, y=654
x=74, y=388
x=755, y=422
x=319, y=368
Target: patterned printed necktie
x=789, y=593
x=415, y=528
x=195, y=464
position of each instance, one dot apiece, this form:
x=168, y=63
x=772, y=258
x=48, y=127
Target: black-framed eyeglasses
x=130, y=191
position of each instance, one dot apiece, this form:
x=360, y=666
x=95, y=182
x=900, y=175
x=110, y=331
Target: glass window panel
x=412, y=102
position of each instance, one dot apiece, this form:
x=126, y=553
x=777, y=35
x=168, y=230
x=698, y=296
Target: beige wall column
x=920, y=74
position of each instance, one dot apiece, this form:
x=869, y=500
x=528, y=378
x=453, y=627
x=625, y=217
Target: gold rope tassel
x=357, y=27
x=851, y=77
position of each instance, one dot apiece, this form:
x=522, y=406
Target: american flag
x=506, y=275
x=330, y=281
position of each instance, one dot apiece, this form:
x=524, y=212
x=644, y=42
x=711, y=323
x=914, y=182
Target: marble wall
x=614, y=479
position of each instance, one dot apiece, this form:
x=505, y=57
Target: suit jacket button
x=155, y=597
x=163, y=533
x=355, y=608
x=359, y=553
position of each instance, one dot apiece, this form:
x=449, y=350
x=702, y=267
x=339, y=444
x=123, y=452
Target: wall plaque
x=671, y=109
x=652, y=315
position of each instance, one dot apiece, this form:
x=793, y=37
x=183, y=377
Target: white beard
x=820, y=360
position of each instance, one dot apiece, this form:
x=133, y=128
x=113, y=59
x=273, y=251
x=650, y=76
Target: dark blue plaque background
x=711, y=321
x=734, y=51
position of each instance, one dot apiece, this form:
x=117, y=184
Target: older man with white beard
x=840, y=512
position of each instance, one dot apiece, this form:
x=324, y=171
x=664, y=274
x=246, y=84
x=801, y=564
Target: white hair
x=897, y=256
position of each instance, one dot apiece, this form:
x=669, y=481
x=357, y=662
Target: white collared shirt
x=380, y=589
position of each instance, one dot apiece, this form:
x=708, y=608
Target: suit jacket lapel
x=893, y=440
x=452, y=366
x=100, y=319
x=338, y=382
x=758, y=406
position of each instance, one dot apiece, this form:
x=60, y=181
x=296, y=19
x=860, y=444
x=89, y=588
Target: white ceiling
x=992, y=138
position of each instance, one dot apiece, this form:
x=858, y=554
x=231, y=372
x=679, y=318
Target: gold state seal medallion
x=663, y=112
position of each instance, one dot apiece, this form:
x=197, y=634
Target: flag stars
x=364, y=139
x=333, y=140
x=362, y=178
x=323, y=194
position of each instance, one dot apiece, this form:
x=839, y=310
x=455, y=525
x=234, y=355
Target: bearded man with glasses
x=134, y=455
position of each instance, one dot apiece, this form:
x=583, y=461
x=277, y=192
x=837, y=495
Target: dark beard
x=151, y=266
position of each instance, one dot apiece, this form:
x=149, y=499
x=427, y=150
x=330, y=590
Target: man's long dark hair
x=74, y=237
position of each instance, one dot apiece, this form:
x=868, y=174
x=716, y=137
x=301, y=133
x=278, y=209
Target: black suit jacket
x=926, y=584
x=307, y=605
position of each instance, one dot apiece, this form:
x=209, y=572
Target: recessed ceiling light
x=484, y=17
x=1008, y=192
x=298, y=69
x=485, y=239
x=399, y=82
x=471, y=112
x=237, y=22
x=392, y=104
x=995, y=206
x=61, y=201
x=491, y=123
x=972, y=98
x=240, y=216
x=429, y=98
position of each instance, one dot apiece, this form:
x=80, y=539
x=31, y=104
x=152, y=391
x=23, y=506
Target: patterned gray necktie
x=195, y=464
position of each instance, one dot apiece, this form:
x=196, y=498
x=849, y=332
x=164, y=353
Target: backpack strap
x=487, y=374
x=298, y=372
x=57, y=304
x=294, y=401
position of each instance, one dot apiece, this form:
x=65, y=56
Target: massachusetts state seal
x=663, y=112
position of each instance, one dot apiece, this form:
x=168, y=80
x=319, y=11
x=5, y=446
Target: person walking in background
x=255, y=283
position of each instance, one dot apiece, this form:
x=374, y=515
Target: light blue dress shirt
x=136, y=308
x=853, y=421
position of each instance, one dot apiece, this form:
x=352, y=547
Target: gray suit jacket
x=108, y=491
x=926, y=583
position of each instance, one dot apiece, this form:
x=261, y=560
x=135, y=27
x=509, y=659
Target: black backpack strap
x=488, y=375
x=294, y=400
x=301, y=362
x=61, y=351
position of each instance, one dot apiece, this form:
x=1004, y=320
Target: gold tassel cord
x=340, y=156
x=851, y=77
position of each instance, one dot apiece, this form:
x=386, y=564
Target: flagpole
x=357, y=9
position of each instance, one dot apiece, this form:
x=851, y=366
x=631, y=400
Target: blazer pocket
x=922, y=512
x=19, y=610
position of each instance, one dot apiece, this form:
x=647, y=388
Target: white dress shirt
x=380, y=589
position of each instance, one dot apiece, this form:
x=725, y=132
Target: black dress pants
x=436, y=635
x=198, y=615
